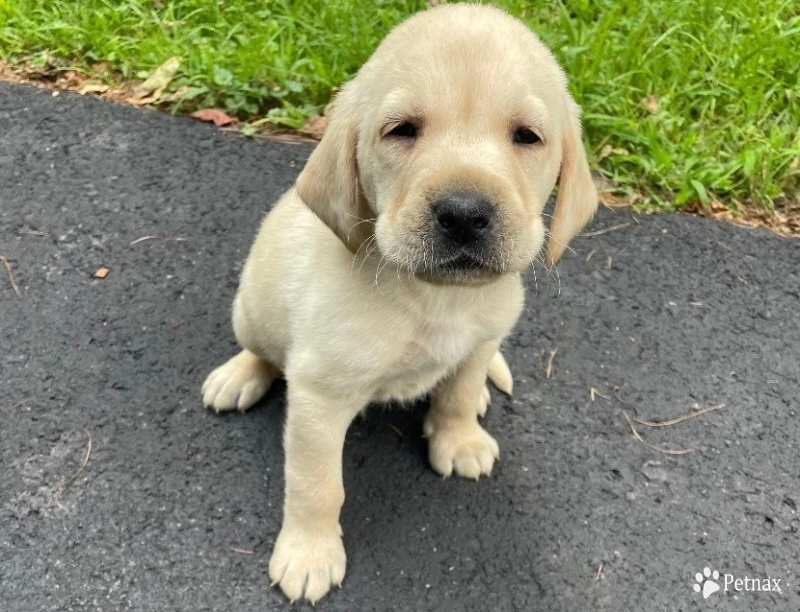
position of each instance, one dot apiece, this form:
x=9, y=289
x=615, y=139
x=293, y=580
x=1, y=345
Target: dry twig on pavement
x=605, y=230
x=679, y=419
x=165, y=238
x=11, y=275
x=548, y=368
x=63, y=485
x=666, y=451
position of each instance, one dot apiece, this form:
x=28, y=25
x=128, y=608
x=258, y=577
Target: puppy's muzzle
x=460, y=243
x=463, y=223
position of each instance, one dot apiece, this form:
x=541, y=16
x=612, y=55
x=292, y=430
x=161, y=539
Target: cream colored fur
x=334, y=294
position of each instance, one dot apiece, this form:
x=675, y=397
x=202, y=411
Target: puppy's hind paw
x=500, y=374
x=484, y=401
x=238, y=383
x=460, y=446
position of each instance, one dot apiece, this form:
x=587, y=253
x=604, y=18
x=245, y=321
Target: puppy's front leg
x=456, y=442
x=309, y=556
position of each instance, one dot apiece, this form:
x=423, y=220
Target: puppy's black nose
x=463, y=217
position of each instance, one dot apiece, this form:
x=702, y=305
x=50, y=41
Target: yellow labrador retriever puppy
x=392, y=269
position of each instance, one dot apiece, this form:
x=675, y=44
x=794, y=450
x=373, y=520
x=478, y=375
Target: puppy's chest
x=443, y=344
x=422, y=357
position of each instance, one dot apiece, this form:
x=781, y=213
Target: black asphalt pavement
x=177, y=508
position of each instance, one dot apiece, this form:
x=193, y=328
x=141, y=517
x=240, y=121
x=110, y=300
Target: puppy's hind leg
x=500, y=375
x=238, y=383
x=456, y=442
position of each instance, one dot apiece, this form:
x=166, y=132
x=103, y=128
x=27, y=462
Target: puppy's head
x=446, y=146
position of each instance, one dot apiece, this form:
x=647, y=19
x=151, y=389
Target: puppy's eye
x=526, y=136
x=405, y=130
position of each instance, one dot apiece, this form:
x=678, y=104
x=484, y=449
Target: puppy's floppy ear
x=577, y=196
x=329, y=182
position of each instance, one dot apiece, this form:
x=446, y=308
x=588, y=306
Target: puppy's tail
x=500, y=374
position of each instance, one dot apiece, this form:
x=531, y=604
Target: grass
x=685, y=102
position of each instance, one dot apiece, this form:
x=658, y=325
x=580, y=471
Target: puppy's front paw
x=460, y=445
x=306, y=564
x=238, y=383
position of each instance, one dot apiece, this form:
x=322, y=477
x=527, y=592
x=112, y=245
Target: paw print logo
x=706, y=582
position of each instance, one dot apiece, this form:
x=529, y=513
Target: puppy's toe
x=477, y=462
x=319, y=582
x=500, y=374
x=484, y=401
x=238, y=383
x=306, y=564
x=460, y=446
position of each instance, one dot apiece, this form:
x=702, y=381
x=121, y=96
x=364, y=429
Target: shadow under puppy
x=393, y=268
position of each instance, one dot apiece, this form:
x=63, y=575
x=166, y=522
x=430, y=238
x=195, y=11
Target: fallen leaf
x=157, y=81
x=95, y=87
x=177, y=94
x=217, y=117
x=608, y=150
x=70, y=80
x=102, y=68
x=315, y=127
x=153, y=97
x=650, y=103
x=101, y=273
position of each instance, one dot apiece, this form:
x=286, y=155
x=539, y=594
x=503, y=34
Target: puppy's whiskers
x=535, y=280
x=550, y=272
x=378, y=269
x=360, y=220
x=549, y=235
x=388, y=257
x=364, y=245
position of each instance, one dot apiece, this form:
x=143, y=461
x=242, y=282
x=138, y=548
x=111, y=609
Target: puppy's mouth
x=462, y=263
x=458, y=269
